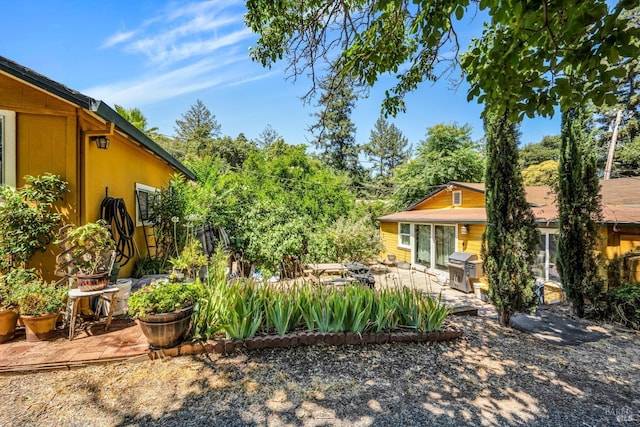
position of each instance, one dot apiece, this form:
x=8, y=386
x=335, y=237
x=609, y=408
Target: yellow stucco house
x=47, y=127
x=452, y=219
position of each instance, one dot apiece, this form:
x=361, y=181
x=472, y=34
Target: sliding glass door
x=445, y=244
x=423, y=245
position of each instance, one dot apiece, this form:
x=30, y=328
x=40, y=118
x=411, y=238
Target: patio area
x=124, y=340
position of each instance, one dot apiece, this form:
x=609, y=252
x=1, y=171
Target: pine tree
x=510, y=242
x=387, y=147
x=197, y=128
x=579, y=212
x=335, y=132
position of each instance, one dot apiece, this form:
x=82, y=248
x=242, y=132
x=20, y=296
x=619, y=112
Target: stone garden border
x=224, y=346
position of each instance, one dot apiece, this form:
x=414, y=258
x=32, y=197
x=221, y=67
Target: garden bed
x=227, y=346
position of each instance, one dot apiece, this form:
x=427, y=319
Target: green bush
x=623, y=305
x=163, y=297
x=34, y=296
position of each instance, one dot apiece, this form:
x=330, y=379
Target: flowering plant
x=89, y=246
x=163, y=297
x=191, y=259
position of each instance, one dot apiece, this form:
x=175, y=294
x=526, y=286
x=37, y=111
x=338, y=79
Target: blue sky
x=161, y=56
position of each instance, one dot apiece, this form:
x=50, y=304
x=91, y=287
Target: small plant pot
x=8, y=322
x=92, y=282
x=40, y=328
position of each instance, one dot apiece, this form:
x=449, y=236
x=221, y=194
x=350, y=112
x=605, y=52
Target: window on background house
x=456, y=198
x=8, y=148
x=404, y=235
x=144, y=196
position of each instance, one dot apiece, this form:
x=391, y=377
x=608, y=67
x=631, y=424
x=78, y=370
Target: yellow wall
x=472, y=241
x=389, y=236
x=49, y=139
x=45, y=142
x=444, y=199
x=119, y=168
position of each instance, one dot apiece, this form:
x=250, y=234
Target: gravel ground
x=491, y=376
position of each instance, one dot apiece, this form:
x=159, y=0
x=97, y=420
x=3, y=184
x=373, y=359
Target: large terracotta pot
x=8, y=321
x=164, y=330
x=39, y=328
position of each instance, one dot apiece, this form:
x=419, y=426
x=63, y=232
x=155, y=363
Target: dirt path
x=492, y=376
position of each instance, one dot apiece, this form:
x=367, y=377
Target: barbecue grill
x=462, y=267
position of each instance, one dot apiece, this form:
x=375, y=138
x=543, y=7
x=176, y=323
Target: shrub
x=623, y=305
x=163, y=297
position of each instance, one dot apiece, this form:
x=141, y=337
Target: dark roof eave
x=83, y=101
x=111, y=115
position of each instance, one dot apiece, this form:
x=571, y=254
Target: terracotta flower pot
x=8, y=321
x=40, y=328
x=165, y=330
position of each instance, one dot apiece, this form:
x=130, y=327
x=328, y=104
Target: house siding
x=472, y=241
x=389, y=236
x=444, y=199
x=49, y=139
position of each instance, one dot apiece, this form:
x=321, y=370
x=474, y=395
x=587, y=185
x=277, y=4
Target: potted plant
x=38, y=304
x=89, y=250
x=164, y=310
x=8, y=304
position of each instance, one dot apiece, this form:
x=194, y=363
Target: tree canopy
x=533, y=44
x=447, y=154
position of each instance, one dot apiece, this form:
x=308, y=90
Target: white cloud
x=117, y=38
x=185, y=31
x=186, y=48
x=153, y=88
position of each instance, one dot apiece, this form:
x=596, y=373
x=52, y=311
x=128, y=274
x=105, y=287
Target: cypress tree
x=579, y=212
x=511, y=240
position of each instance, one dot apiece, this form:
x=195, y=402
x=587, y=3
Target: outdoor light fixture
x=99, y=136
x=102, y=142
x=464, y=229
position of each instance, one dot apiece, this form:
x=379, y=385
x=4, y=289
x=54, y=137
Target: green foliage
x=137, y=119
x=11, y=282
x=29, y=219
x=242, y=314
x=579, y=213
x=532, y=44
x=163, y=297
x=243, y=308
x=89, y=246
x=168, y=210
x=447, y=154
x=623, y=305
x=352, y=239
x=207, y=316
x=533, y=154
x=196, y=130
x=387, y=147
x=510, y=241
x=147, y=266
x=545, y=173
x=280, y=311
x=334, y=130
x=32, y=295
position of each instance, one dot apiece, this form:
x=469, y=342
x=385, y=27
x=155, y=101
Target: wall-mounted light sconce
x=102, y=142
x=464, y=229
x=100, y=136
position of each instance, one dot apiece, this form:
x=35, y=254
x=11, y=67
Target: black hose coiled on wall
x=114, y=212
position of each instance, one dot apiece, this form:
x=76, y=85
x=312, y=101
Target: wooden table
x=107, y=293
x=331, y=268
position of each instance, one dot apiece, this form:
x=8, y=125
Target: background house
x=453, y=218
x=47, y=127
